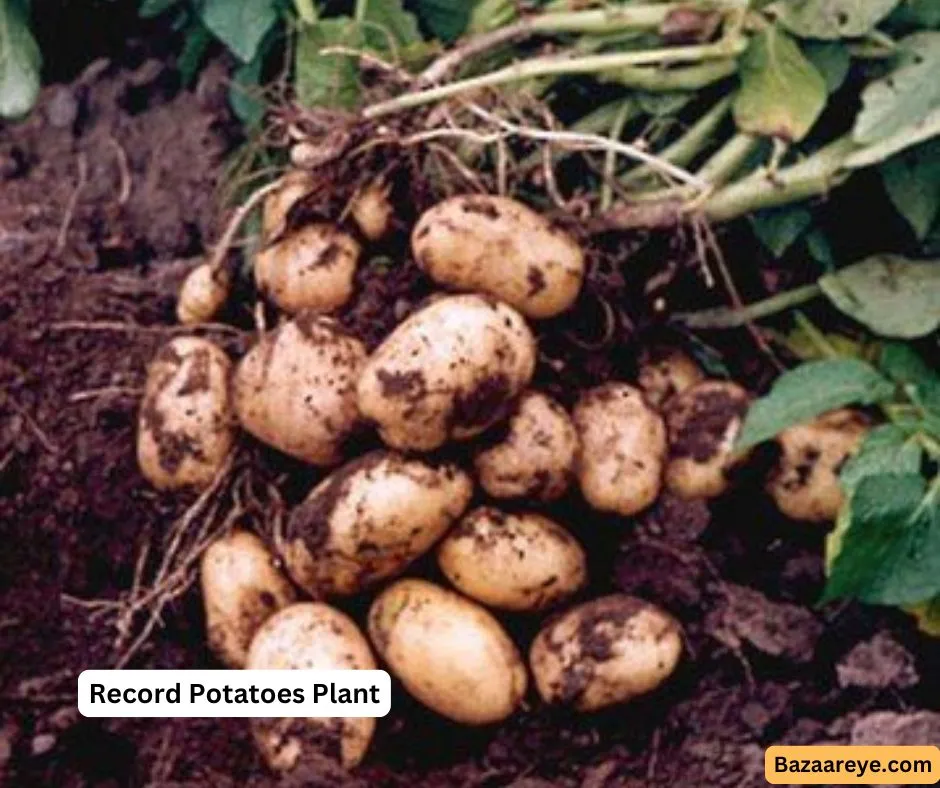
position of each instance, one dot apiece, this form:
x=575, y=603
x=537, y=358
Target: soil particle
x=411, y=386
x=697, y=424
x=482, y=403
x=536, y=279
x=481, y=207
x=888, y=727
x=878, y=663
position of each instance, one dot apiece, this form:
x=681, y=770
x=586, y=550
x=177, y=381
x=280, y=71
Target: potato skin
x=241, y=589
x=501, y=247
x=311, y=636
x=623, y=447
x=310, y=268
x=448, y=652
x=295, y=389
x=537, y=457
x=512, y=561
x=605, y=652
x=665, y=372
x=186, y=426
x=805, y=483
x=703, y=423
x=449, y=371
x=202, y=295
x=277, y=205
x=372, y=210
x=368, y=520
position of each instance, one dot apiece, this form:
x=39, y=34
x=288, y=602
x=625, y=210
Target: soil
x=106, y=193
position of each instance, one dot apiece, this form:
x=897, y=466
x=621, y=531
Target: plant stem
x=729, y=159
x=725, y=317
x=306, y=11
x=362, y=7
x=817, y=337
x=610, y=159
x=662, y=81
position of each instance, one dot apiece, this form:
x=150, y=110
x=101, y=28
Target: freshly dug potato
x=512, y=561
x=311, y=636
x=665, y=372
x=605, y=652
x=241, y=589
x=372, y=210
x=448, y=652
x=449, y=371
x=310, y=268
x=703, y=424
x=498, y=246
x=202, y=295
x=623, y=447
x=296, y=388
x=186, y=427
x=536, y=459
x=277, y=205
x=369, y=520
x=805, y=484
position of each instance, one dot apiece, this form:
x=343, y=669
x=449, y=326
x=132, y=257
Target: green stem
x=725, y=317
x=657, y=80
x=362, y=8
x=729, y=159
x=610, y=160
x=817, y=337
x=306, y=11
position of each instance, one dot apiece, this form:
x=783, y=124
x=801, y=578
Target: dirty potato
x=512, y=561
x=623, y=447
x=186, y=426
x=241, y=589
x=605, y=652
x=448, y=652
x=665, y=372
x=372, y=210
x=536, y=458
x=202, y=295
x=296, y=388
x=368, y=520
x=311, y=636
x=449, y=371
x=276, y=208
x=498, y=246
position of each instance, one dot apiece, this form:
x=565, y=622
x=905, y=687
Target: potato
x=277, y=205
x=605, y=652
x=449, y=371
x=311, y=636
x=665, y=372
x=536, y=459
x=372, y=210
x=310, y=268
x=296, y=388
x=703, y=423
x=512, y=561
x=186, y=427
x=241, y=589
x=202, y=295
x=501, y=247
x=448, y=652
x=369, y=520
x=623, y=447
x=805, y=484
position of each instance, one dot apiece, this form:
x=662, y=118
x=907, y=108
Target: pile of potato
x=452, y=370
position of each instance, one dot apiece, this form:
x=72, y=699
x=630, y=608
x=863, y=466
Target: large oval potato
x=805, y=484
x=311, y=636
x=665, y=372
x=605, y=652
x=241, y=589
x=277, y=206
x=186, y=426
x=448, y=652
x=703, y=423
x=623, y=448
x=498, y=246
x=512, y=561
x=310, y=268
x=296, y=388
x=536, y=458
x=369, y=520
x=449, y=371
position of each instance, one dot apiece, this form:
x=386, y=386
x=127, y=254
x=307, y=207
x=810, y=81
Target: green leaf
x=151, y=8
x=779, y=228
x=811, y=389
x=819, y=248
x=243, y=93
x=395, y=26
x=328, y=79
x=902, y=364
x=446, y=19
x=924, y=13
x=782, y=94
x=832, y=59
x=912, y=181
x=889, y=294
x=196, y=43
x=887, y=449
x=832, y=19
x=20, y=61
x=891, y=551
x=240, y=24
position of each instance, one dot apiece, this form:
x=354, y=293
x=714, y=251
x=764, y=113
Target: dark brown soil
x=104, y=193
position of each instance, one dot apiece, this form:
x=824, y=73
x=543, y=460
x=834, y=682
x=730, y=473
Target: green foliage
x=911, y=180
x=779, y=228
x=832, y=19
x=20, y=60
x=446, y=19
x=241, y=25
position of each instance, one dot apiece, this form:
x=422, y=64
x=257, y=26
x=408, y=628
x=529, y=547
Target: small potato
x=311, y=636
x=623, y=447
x=501, y=247
x=186, y=427
x=310, y=268
x=665, y=372
x=297, y=184
x=296, y=388
x=536, y=459
x=805, y=484
x=369, y=520
x=605, y=652
x=448, y=652
x=372, y=210
x=512, y=561
x=703, y=424
x=449, y=371
x=241, y=589
x=202, y=295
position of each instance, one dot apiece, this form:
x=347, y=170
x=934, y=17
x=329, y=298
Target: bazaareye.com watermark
x=835, y=765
